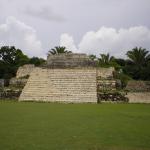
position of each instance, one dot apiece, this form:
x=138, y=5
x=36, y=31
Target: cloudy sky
x=86, y=26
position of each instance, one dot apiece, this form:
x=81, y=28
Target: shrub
x=123, y=78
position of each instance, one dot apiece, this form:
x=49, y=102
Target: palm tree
x=58, y=50
x=105, y=59
x=138, y=56
x=92, y=57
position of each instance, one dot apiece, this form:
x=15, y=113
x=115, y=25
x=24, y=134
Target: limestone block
x=24, y=70
x=138, y=86
x=106, y=85
x=69, y=60
x=61, y=85
x=139, y=97
x=105, y=73
x=17, y=82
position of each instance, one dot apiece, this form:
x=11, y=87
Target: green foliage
x=138, y=56
x=121, y=62
x=10, y=59
x=92, y=57
x=12, y=56
x=58, y=50
x=105, y=59
x=36, y=61
x=123, y=78
x=138, y=65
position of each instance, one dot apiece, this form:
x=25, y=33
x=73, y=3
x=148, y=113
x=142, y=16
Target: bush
x=123, y=78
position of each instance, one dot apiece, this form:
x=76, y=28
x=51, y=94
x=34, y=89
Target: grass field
x=46, y=126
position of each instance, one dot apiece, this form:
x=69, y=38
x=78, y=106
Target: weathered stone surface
x=24, y=70
x=112, y=96
x=106, y=85
x=67, y=78
x=138, y=86
x=18, y=82
x=70, y=60
x=139, y=97
x=61, y=85
x=105, y=73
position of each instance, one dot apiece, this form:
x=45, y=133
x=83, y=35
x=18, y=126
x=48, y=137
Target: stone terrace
x=70, y=60
x=61, y=85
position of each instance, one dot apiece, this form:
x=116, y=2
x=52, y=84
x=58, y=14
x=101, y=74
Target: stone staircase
x=61, y=85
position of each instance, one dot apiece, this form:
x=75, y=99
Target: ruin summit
x=65, y=78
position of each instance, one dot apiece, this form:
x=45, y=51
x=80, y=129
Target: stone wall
x=112, y=97
x=139, y=91
x=61, y=85
x=24, y=71
x=10, y=94
x=17, y=82
x=139, y=97
x=106, y=85
x=105, y=73
x=70, y=60
x=138, y=86
x=105, y=79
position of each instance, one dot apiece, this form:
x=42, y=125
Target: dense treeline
x=12, y=58
x=136, y=66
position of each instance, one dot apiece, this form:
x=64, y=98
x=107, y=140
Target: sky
x=84, y=26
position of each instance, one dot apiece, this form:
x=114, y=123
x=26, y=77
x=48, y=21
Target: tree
x=139, y=56
x=12, y=56
x=120, y=61
x=10, y=59
x=137, y=66
x=105, y=59
x=92, y=57
x=37, y=61
x=58, y=50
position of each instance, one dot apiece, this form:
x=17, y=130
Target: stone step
x=70, y=85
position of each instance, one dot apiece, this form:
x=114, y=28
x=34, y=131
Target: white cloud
x=110, y=40
x=17, y=33
x=67, y=41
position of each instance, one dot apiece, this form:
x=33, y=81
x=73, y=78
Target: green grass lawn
x=47, y=126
